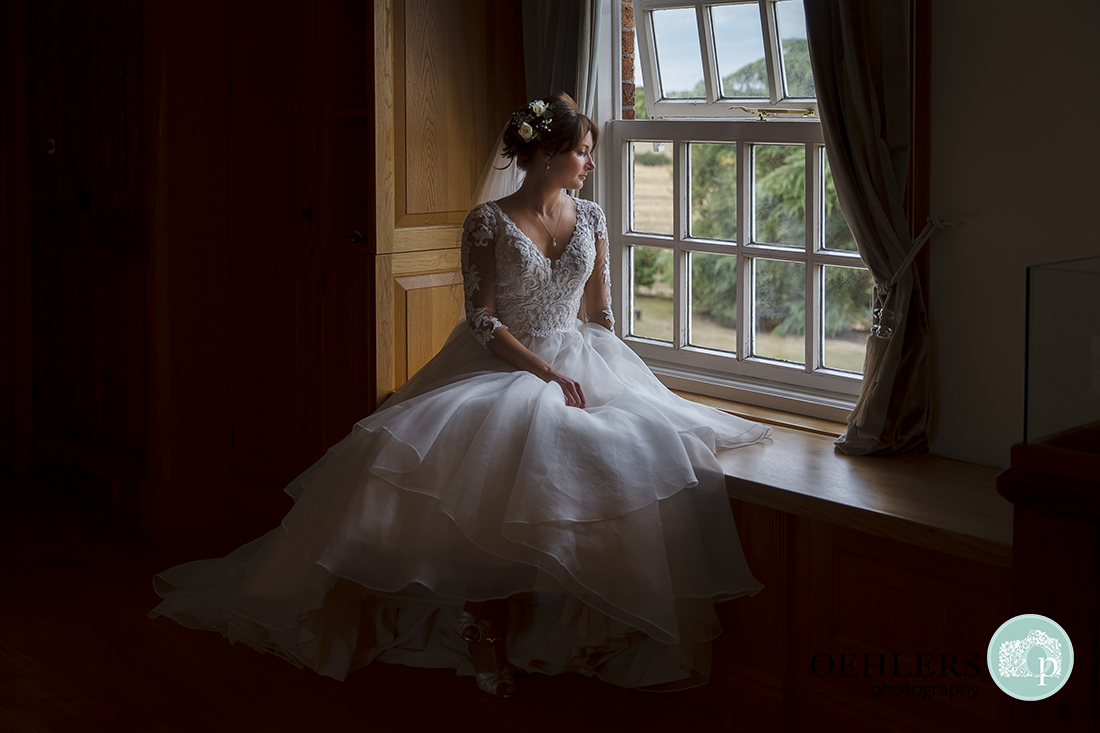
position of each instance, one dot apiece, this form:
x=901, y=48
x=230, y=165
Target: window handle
x=766, y=113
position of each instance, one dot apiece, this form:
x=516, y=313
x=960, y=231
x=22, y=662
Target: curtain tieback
x=884, y=318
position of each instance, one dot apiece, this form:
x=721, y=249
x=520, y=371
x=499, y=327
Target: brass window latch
x=766, y=113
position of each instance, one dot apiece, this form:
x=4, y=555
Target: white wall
x=1016, y=157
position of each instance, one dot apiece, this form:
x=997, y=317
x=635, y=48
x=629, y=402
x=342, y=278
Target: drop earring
x=547, y=165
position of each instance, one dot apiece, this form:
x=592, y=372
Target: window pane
x=713, y=301
x=796, y=54
x=779, y=310
x=651, y=188
x=739, y=44
x=837, y=233
x=679, y=62
x=847, y=317
x=779, y=187
x=652, y=293
x=713, y=191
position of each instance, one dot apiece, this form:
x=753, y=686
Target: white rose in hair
x=526, y=132
x=539, y=106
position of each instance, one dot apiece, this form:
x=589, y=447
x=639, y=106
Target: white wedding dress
x=608, y=528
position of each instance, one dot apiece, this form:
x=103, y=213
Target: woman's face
x=573, y=167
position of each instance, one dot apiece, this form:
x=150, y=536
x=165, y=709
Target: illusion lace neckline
x=529, y=242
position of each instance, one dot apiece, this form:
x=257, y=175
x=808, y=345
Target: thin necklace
x=553, y=237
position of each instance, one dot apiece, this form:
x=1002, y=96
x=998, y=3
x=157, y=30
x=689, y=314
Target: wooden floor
x=78, y=653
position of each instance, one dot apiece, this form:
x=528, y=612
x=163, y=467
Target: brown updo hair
x=568, y=126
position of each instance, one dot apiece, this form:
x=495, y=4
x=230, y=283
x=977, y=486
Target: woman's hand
x=504, y=345
x=574, y=395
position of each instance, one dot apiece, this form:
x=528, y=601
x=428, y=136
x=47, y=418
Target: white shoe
x=489, y=682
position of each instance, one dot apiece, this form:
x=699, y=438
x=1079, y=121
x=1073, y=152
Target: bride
x=532, y=500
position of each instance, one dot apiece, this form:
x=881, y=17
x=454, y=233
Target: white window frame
x=808, y=388
x=811, y=375
x=714, y=105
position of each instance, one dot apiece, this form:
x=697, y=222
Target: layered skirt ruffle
x=608, y=528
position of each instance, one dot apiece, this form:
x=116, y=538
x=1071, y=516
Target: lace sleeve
x=478, y=271
x=597, y=291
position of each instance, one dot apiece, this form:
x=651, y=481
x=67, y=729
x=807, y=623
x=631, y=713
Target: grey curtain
x=860, y=56
x=560, y=42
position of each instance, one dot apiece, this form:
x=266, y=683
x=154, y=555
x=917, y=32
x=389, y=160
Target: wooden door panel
x=456, y=81
x=86, y=261
x=276, y=318
x=348, y=334
x=396, y=275
x=426, y=308
x=432, y=314
x=881, y=596
x=276, y=364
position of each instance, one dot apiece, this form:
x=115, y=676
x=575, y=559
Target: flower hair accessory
x=533, y=120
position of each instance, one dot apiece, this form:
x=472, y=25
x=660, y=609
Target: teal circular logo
x=1030, y=657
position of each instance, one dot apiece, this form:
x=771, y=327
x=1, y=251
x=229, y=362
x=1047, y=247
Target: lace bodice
x=511, y=284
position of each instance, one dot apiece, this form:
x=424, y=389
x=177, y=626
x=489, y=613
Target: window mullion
x=709, y=246
x=621, y=203
x=679, y=224
x=710, y=58
x=771, y=50
x=838, y=260
x=744, y=236
x=681, y=313
x=785, y=254
x=814, y=311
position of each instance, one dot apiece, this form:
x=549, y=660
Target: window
x=736, y=264
x=714, y=59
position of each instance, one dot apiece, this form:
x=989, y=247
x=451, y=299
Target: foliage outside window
x=736, y=257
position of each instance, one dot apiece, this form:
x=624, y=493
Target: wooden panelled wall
x=85, y=255
x=256, y=246
x=831, y=591
x=447, y=75
x=15, y=252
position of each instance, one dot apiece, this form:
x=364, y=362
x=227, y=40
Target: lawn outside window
x=736, y=269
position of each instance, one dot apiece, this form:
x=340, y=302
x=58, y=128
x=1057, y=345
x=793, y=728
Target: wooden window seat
x=929, y=501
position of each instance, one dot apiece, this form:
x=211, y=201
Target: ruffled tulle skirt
x=608, y=529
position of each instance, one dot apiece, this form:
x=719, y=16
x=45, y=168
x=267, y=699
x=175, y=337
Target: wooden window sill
x=925, y=500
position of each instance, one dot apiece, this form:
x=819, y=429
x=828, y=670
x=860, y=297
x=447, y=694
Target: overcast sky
x=737, y=38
